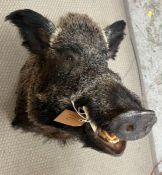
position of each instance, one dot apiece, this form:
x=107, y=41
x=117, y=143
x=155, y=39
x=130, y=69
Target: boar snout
x=133, y=125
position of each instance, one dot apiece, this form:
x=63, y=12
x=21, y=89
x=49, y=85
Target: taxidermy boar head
x=66, y=89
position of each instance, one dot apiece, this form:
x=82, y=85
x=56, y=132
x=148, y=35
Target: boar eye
x=69, y=58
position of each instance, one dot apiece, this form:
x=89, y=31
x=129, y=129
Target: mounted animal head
x=75, y=55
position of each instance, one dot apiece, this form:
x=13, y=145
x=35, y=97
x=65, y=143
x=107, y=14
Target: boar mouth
x=104, y=141
x=113, y=142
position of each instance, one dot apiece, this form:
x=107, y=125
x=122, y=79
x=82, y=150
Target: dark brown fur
x=71, y=65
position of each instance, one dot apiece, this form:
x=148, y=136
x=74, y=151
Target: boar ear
x=115, y=34
x=34, y=29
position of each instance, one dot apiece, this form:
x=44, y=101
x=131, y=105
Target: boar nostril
x=130, y=128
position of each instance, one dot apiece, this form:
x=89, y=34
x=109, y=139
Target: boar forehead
x=80, y=30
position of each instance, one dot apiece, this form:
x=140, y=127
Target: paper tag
x=70, y=118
